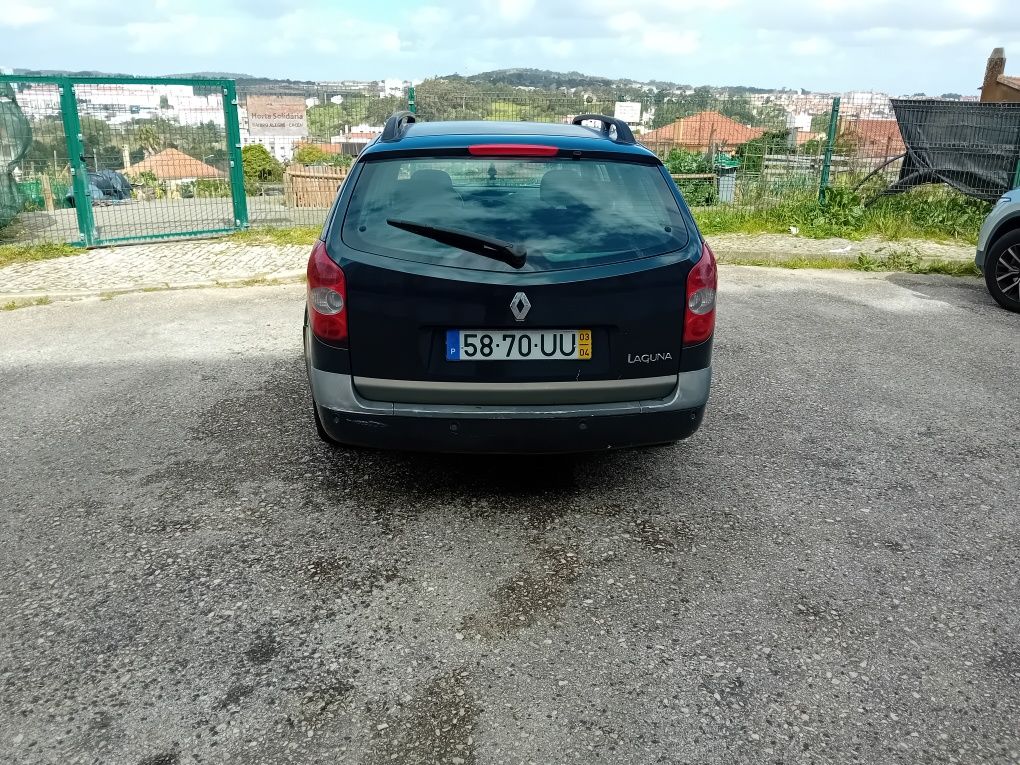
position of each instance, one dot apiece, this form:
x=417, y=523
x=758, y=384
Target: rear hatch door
x=595, y=314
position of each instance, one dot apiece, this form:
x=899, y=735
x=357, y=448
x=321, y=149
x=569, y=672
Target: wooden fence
x=311, y=186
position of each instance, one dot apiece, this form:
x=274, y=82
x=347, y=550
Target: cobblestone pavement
x=141, y=266
x=208, y=262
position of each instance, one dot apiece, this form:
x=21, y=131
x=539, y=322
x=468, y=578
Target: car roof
x=419, y=136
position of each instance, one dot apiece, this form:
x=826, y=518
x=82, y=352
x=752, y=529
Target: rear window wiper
x=512, y=254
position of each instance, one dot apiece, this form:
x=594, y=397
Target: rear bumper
x=516, y=436
x=351, y=419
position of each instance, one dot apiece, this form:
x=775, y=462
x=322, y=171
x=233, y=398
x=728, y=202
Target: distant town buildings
x=283, y=128
x=120, y=104
x=381, y=88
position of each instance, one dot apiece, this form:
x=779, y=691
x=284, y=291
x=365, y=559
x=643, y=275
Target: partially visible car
x=998, y=251
x=104, y=186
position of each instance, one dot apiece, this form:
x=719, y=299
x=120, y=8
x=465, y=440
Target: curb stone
x=286, y=277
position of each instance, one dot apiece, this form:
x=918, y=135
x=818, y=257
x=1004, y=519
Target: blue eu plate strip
x=453, y=345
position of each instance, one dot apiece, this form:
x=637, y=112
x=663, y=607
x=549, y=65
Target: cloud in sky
x=903, y=46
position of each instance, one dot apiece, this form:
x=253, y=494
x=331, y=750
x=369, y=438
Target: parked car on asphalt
x=998, y=251
x=509, y=287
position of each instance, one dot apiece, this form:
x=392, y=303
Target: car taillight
x=327, y=297
x=512, y=150
x=699, y=315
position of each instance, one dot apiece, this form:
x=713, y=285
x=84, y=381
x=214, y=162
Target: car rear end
x=601, y=337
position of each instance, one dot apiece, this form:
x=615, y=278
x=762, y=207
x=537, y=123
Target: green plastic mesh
x=15, y=139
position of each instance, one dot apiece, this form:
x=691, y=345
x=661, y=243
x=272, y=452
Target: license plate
x=518, y=345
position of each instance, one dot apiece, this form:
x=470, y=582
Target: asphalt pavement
x=827, y=572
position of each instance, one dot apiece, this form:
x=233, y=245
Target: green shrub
x=941, y=210
x=147, y=185
x=310, y=155
x=315, y=155
x=752, y=154
x=212, y=187
x=843, y=211
x=696, y=192
x=259, y=165
x=930, y=212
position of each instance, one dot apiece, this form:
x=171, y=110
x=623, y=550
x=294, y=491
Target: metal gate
x=106, y=160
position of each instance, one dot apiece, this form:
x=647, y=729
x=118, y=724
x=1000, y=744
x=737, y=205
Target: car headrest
x=562, y=188
x=428, y=180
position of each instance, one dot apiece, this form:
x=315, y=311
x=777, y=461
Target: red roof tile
x=875, y=138
x=701, y=130
x=174, y=165
x=803, y=136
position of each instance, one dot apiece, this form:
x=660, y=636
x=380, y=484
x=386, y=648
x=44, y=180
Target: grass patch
x=794, y=263
x=935, y=213
x=255, y=281
x=13, y=305
x=26, y=253
x=305, y=235
x=900, y=260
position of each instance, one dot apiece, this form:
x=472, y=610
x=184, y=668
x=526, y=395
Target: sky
x=897, y=46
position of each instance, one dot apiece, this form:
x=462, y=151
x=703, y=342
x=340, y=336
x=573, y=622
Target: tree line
x=460, y=98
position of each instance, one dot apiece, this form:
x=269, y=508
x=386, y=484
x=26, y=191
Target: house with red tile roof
x=174, y=165
x=873, y=137
x=701, y=131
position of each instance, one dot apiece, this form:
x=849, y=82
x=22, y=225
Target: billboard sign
x=628, y=111
x=277, y=116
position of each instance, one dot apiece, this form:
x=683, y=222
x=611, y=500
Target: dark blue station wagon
x=509, y=287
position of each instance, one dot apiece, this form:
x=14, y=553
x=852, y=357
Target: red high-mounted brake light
x=327, y=297
x=699, y=311
x=512, y=150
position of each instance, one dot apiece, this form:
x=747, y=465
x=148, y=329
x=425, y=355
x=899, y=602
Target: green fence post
x=76, y=160
x=830, y=144
x=411, y=107
x=233, y=126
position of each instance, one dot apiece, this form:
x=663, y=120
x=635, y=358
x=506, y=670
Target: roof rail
x=395, y=125
x=623, y=132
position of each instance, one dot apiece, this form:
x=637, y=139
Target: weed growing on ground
x=25, y=303
x=24, y=253
x=932, y=212
x=898, y=261
x=295, y=235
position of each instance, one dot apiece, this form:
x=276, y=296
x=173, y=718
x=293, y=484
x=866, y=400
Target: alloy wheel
x=1007, y=273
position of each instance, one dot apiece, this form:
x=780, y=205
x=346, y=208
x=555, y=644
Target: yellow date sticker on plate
x=584, y=344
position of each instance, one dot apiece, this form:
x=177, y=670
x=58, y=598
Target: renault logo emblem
x=520, y=306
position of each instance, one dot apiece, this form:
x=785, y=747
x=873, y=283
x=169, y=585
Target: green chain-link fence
x=747, y=150
x=106, y=160
x=159, y=158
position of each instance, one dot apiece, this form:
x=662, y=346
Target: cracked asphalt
x=827, y=572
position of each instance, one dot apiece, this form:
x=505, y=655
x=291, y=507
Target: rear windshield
x=565, y=213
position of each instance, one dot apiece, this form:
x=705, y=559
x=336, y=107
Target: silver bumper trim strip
x=502, y=394
x=338, y=392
